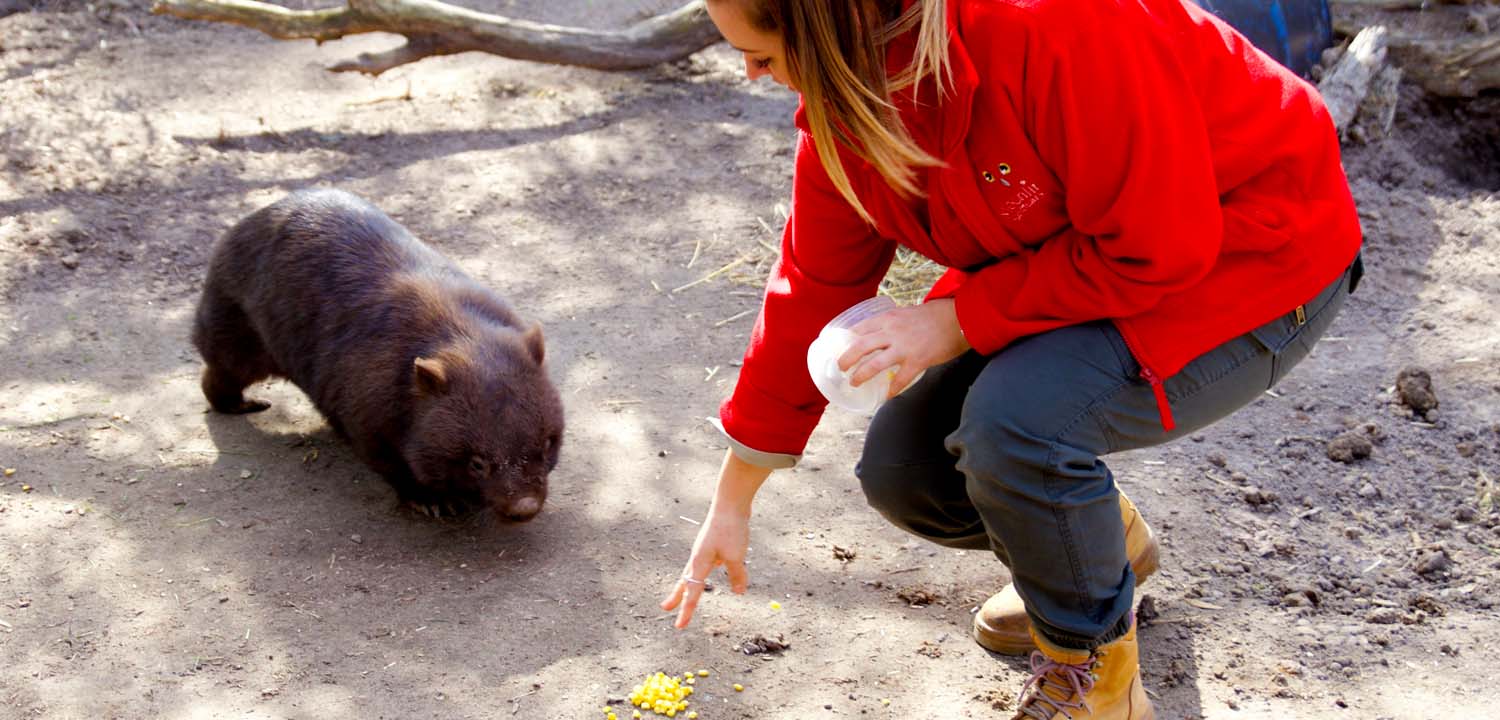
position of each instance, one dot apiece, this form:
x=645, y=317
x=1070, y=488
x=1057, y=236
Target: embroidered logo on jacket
x=1026, y=195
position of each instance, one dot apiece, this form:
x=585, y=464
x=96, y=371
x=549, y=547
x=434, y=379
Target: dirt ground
x=159, y=561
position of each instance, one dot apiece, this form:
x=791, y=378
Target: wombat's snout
x=521, y=509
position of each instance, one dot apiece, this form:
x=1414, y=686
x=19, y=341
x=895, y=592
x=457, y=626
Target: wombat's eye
x=478, y=465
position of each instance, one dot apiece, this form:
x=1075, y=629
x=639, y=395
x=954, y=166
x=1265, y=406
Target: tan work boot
x=1081, y=685
x=1001, y=625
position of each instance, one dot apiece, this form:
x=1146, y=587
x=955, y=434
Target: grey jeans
x=1002, y=453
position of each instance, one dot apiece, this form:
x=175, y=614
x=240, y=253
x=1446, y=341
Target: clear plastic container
x=823, y=360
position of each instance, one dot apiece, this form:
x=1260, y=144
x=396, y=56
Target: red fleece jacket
x=1132, y=160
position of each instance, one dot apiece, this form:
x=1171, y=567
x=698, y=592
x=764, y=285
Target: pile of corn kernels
x=664, y=695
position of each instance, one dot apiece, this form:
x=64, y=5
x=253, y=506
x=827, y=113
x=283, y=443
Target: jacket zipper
x=1163, y=407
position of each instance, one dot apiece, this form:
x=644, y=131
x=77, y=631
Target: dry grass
x=907, y=281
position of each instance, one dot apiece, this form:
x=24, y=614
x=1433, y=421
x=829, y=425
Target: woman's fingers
x=687, y=591
x=904, y=377
x=690, y=592
x=739, y=578
x=874, y=364
x=674, y=597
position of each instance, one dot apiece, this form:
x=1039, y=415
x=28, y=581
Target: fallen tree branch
x=433, y=28
x=1345, y=84
x=1439, y=55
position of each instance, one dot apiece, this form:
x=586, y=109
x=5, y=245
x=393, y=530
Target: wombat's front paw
x=434, y=510
x=243, y=407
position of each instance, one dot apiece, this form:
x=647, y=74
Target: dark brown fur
x=430, y=376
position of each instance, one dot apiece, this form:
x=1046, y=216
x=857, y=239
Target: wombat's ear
x=430, y=375
x=533, y=340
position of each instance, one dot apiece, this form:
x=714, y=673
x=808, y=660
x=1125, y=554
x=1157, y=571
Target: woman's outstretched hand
x=723, y=539
x=915, y=338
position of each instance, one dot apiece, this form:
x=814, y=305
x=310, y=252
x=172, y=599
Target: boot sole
x=1144, y=567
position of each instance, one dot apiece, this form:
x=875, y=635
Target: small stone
x=1145, y=610
x=246, y=474
x=1256, y=496
x=1476, y=23
x=1433, y=562
x=1384, y=616
x=1414, y=387
x=1350, y=446
x=356, y=538
x=1368, y=491
x=1428, y=604
x=1464, y=513
x=1217, y=460
x=1466, y=449
x=69, y=261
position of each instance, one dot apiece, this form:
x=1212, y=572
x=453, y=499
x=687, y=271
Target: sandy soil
x=158, y=561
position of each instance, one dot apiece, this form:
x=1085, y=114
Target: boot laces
x=1070, y=684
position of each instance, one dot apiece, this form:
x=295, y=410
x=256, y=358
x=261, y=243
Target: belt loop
x=1301, y=313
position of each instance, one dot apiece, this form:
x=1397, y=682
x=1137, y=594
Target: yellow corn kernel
x=672, y=712
x=636, y=715
x=607, y=710
x=9, y=472
x=739, y=688
x=702, y=673
x=775, y=605
x=692, y=681
x=693, y=715
x=611, y=716
x=885, y=701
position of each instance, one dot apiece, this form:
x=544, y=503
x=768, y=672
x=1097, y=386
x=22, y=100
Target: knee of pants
x=994, y=442
x=886, y=488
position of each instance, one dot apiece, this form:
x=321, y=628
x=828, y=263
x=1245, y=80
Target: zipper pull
x=1162, y=406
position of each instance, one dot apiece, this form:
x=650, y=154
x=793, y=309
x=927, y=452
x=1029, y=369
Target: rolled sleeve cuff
x=766, y=422
x=759, y=458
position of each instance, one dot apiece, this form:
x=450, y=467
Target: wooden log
x=1345, y=85
x=1377, y=111
x=1447, y=50
x=436, y=28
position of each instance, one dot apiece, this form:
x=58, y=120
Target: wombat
x=431, y=377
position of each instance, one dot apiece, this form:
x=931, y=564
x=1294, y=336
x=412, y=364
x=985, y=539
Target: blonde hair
x=835, y=53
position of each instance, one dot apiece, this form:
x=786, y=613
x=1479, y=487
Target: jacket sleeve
x=830, y=259
x=1112, y=113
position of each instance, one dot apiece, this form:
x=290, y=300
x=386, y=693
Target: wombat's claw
x=451, y=510
x=431, y=511
x=245, y=407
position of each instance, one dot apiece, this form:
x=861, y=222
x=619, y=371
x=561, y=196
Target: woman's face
x=765, y=53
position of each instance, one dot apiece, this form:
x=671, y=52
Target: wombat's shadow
x=295, y=465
